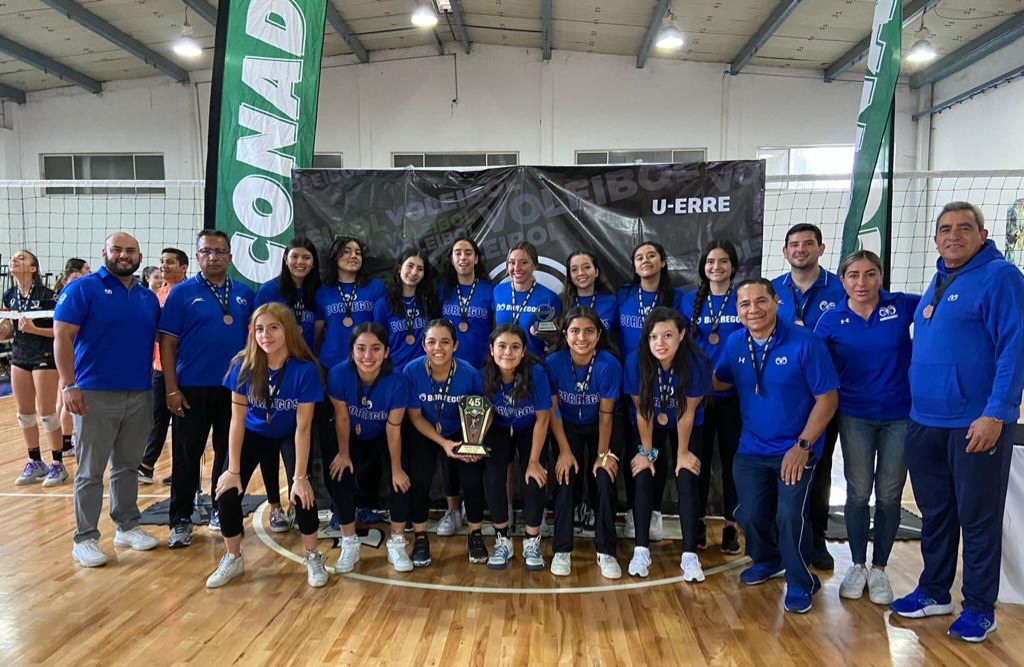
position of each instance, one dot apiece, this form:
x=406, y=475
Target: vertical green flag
x=867, y=220
x=271, y=79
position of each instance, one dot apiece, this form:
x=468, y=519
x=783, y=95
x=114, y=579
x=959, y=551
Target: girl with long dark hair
x=410, y=302
x=523, y=301
x=465, y=295
x=651, y=287
x=586, y=287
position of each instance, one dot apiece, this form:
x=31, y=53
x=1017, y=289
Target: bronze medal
x=347, y=322
x=437, y=427
x=714, y=338
x=799, y=323
x=359, y=428
x=463, y=326
x=410, y=340
x=663, y=419
x=228, y=320
x=927, y=312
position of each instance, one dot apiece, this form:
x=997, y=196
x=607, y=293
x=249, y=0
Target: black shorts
x=35, y=363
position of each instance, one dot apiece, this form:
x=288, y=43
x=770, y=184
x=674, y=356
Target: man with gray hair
x=966, y=379
x=104, y=330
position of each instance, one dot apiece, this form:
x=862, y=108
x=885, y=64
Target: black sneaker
x=477, y=549
x=702, y=535
x=421, y=552
x=730, y=540
x=821, y=559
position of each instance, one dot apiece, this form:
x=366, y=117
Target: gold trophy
x=476, y=414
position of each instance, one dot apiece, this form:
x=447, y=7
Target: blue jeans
x=873, y=458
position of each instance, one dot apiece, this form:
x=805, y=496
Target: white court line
x=65, y=495
x=257, y=524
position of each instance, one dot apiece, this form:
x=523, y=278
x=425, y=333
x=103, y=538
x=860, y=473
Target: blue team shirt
x=331, y=311
x=825, y=294
x=117, y=328
x=301, y=384
x=541, y=297
x=472, y=343
x=872, y=357
x=205, y=344
x=631, y=324
x=729, y=322
x=270, y=292
x=582, y=408
x=699, y=385
x=521, y=414
x=606, y=305
x=388, y=393
x=426, y=395
x=797, y=369
x=400, y=351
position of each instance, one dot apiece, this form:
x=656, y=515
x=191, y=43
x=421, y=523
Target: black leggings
x=270, y=468
x=371, y=459
x=256, y=448
x=646, y=487
x=503, y=451
x=583, y=442
x=419, y=459
x=721, y=418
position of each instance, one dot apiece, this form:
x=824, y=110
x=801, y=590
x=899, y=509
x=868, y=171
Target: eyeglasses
x=219, y=252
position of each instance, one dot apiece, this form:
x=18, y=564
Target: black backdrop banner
x=607, y=210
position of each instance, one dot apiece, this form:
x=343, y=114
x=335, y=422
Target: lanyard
x=584, y=386
x=464, y=302
x=940, y=289
x=518, y=310
x=510, y=403
x=273, y=390
x=434, y=389
x=411, y=313
x=364, y=399
x=592, y=304
x=759, y=367
x=665, y=391
x=222, y=300
x=644, y=311
x=716, y=318
x=347, y=300
x=800, y=306
x=23, y=303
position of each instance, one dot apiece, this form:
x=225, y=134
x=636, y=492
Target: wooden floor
x=152, y=609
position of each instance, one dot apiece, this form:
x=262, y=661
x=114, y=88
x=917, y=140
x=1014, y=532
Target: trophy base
x=466, y=449
x=546, y=327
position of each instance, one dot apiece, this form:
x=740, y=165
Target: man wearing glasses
x=203, y=325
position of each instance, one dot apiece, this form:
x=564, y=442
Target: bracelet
x=173, y=393
x=651, y=455
x=69, y=387
x=604, y=457
x=298, y=477
x=232, y=472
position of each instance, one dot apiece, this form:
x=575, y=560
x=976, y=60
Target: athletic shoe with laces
x=145, y=475
x=87, y=553
x=280, y=521
x=730, y=540
x=798, y=600
x=640, y=563
x=136, y=539
x=349, y=554
x=879, y=588
x=609, y=566
x=561, y=564
x=657, y=527
x=690, y=565
x=629, y=530
x=421, y=552
x=366, y=516
x=758, y=573
x=35, y=471
x=973, y=627
x=502, y=553
x=316, y=569
x=396, y=553
x=450, y=523
x=702, y=535
x=56, y=475
x=214, y=521
x=181, y=536
x=230, y=567
x=854, y=583
x=477, y=549
x=919, y=605
x=532, y=557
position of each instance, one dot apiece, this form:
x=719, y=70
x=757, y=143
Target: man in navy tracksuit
x=966, y=379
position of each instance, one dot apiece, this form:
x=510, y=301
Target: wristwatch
x=651, y=455
x=804, y=444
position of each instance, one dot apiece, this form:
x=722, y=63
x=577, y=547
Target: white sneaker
x=629, y=530
x=501, y=554
x=316, y=570
x=609, y=566
x=450, y=523
x=136, y=538
x=230, y=567
x=397, y=556
x=561, y=564
x=640, y=564
x=690, y=565
x=657, y=527
x=879, y=588
x=532, y=557
x=349, y=554
x=854, y=583
x=88, y=554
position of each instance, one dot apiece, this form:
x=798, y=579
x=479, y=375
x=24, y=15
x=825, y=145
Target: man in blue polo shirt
x=104, y=328
x=805, y=293
x=966, y=379
x=786, y=384
x=203, y=325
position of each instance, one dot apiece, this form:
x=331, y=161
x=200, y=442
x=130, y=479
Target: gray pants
x=115, y=430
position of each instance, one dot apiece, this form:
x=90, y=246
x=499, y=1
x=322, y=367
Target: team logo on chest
x=781, y=361
x=886, y=313
x=952, y=297
x=826, y=306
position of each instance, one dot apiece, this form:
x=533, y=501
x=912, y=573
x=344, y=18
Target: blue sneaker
x=798, y=600
x=502, y=553
x=973, y=627
x=335, y=521
x=758, y=573
x=35, y=471
x=365, y=516
x=919, y=605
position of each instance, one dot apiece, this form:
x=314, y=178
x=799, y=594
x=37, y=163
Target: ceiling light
x=922, y=51
x=670, y=37
x=424, y=17
x=186, y=45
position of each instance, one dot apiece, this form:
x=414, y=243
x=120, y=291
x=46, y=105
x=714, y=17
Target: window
x=328, y=160
x=806, y=160
x=104, y=167
x=662, y=156
x=453, y=160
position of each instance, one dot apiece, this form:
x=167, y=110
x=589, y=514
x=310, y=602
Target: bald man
x=104, y=329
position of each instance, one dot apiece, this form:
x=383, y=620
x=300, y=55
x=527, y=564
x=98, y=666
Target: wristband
x=651, y=455
x=173, y=393
x=69, y=387
x=297, y=478
x=605, y=456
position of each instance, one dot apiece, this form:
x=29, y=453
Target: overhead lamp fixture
x=670, y=37
x=424, y=16
x=922, y=51
x=186, y=45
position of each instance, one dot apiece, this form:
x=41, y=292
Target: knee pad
x=50, y=423
x=26, y=421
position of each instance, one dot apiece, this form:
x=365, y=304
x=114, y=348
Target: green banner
x=271, y=79
x=867, y=221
